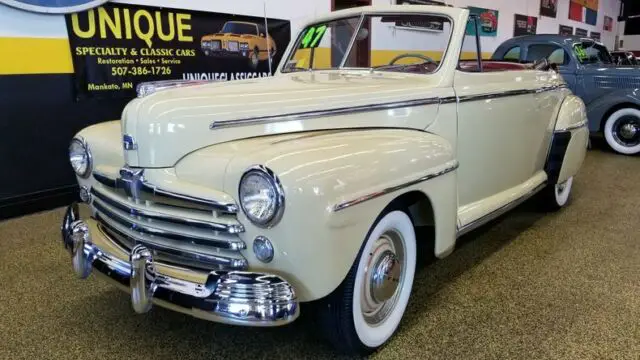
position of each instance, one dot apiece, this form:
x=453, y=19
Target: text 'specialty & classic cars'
x=236, y=202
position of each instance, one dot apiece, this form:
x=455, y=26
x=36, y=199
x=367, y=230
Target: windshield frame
x=592, y=45
x=361, y=18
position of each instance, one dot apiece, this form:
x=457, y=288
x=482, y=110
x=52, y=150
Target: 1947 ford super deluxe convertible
x=235, y=202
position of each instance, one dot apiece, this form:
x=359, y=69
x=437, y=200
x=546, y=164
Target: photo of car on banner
x=118, y=46
x=240, y=39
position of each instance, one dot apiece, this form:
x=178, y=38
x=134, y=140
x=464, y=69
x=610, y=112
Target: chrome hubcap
x=383, y=276
x=626, y=131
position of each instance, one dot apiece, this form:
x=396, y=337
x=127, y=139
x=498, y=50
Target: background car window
x=513, y=54
x=553, y=53
x=589, y=52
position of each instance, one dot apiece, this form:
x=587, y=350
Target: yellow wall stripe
x=35, y=56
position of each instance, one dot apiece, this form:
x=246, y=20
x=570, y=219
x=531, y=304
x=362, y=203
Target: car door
x=500, y=138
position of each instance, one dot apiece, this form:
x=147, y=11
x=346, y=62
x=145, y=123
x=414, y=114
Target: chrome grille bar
x=131, y=222
x=139, y=211
x=153, y=193
x=174, y=253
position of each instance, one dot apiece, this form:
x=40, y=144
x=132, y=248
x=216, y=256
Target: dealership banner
x=117, y=46
x=548, y=8
x=525, y=25
x=565, y=30
x=488, y=21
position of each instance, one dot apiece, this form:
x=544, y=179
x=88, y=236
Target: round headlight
x=261, y=196
x=80, y=157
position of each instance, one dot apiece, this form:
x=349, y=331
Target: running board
x=498, y=212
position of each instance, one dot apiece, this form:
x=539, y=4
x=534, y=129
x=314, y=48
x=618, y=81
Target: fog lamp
x=263, y=249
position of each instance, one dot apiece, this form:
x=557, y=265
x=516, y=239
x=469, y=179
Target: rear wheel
x=622, y=131
x=365, y=311
x=556, y=196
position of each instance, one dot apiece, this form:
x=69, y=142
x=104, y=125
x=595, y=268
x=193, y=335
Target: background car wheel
x=254, y=58
x=556, y=196
x=622, y=131
x=366, y=309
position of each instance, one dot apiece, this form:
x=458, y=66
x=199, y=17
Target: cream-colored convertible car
x=235, y=202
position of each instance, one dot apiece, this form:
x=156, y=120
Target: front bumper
x=231, y=297
x=223, y=53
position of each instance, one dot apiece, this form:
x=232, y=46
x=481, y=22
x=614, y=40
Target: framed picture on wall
x=608, y=23
x=565, y=30
x=525, y=25
x=488, y=21
x=595, y=36
x=581, y=32
x=549, y=8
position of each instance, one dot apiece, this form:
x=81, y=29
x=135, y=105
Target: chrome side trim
x=135, y=211
x=137, y=226
x=159, y=195
x=498, y=212
x=320, y=113
x=573, y=127
x=305, y=115
x=518, y=92
x=450, y=166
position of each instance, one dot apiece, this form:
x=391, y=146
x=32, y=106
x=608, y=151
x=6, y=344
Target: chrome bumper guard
x=231, y=297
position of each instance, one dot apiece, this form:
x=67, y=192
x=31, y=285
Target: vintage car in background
x=608, y=90
x=196, y=202
x=240, y=40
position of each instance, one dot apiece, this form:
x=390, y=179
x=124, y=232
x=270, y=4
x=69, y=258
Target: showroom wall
x=508, y=8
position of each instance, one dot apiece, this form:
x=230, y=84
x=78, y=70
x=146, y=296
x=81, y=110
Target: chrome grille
x=178, y=228
x=617, y=82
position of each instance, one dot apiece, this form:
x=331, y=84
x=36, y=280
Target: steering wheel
x=409, y=55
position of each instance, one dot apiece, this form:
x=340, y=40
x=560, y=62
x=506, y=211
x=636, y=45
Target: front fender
x=598, y=108
x=316, y=244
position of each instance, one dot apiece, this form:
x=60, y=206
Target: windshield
x=239, y=28
x=402, y=43
x=590, y=52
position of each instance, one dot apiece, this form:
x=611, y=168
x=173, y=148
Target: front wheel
x=366, y=309
x=622, y=131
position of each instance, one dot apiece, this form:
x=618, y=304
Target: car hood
x=224, y=36
x=170, y=124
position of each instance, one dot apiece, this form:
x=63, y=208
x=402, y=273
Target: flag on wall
x=585, y=11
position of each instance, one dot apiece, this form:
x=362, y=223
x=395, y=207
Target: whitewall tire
x=622, y=131
x=556, y=196
x=365, y=311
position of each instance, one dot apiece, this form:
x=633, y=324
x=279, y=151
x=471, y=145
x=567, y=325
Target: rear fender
x=570, y=140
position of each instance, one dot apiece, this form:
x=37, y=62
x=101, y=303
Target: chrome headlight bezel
x=87, y=152
x=279, y=198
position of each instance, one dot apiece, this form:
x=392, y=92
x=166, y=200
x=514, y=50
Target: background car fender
x=571, y=132
x=601, y=107
x=316, y=244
